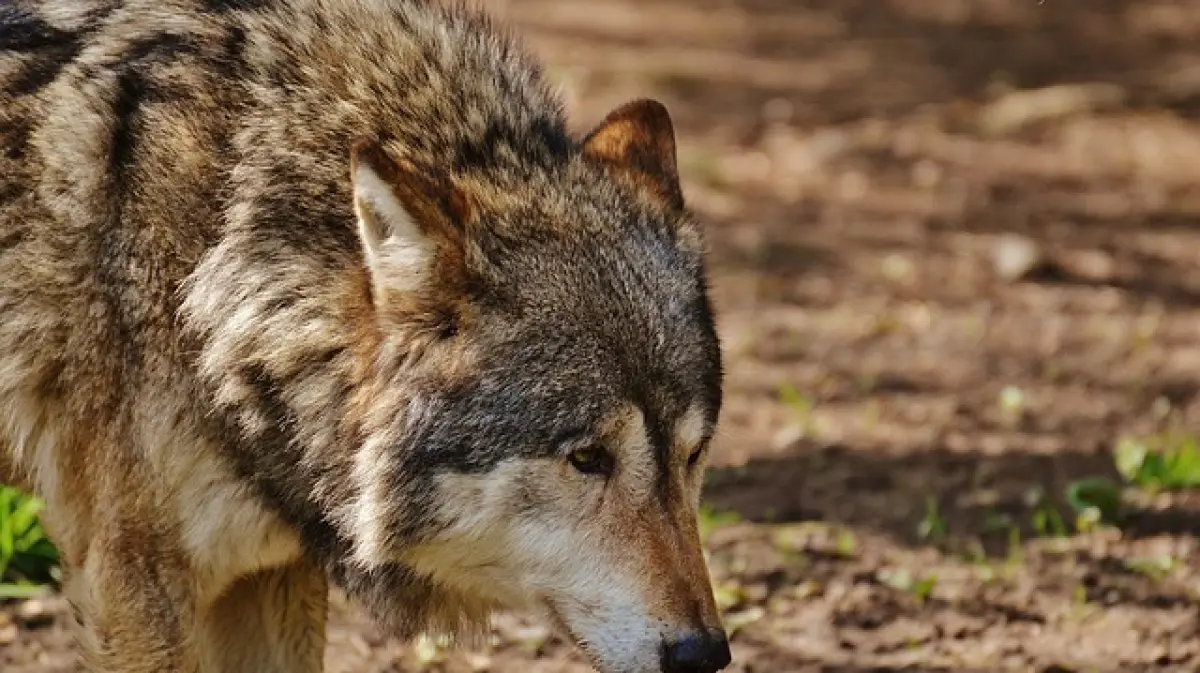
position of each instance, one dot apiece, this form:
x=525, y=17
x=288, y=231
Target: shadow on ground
x=972, y=494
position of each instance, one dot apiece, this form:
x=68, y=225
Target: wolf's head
x=550, y=333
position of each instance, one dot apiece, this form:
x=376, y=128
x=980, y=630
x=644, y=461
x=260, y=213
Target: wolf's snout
x=698, y=652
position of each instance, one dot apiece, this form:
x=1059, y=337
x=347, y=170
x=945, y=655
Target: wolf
x=301, y=294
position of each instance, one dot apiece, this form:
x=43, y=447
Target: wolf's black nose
x=701, y=652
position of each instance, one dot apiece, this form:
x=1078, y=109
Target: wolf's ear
x=637, y=140
x=407, y=217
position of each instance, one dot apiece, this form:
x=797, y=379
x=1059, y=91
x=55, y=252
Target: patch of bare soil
x=968, y=236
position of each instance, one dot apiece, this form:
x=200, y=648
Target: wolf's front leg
x=133, y=605
x=270, y=622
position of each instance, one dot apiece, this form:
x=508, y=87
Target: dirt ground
x=968, y=234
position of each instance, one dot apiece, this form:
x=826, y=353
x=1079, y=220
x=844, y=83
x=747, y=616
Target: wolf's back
x=136, y=113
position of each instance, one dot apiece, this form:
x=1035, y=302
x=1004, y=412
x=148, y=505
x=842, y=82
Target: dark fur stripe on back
x=21, y=31
x=52, y=49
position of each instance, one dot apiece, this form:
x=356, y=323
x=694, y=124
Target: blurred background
x=956, y=260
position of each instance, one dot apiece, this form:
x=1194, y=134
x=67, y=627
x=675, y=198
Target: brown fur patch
x=637, y=140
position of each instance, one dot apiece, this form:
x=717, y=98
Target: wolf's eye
x=591, y=460
x=695, y=457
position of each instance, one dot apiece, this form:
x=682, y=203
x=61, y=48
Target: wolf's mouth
x=559, y=623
